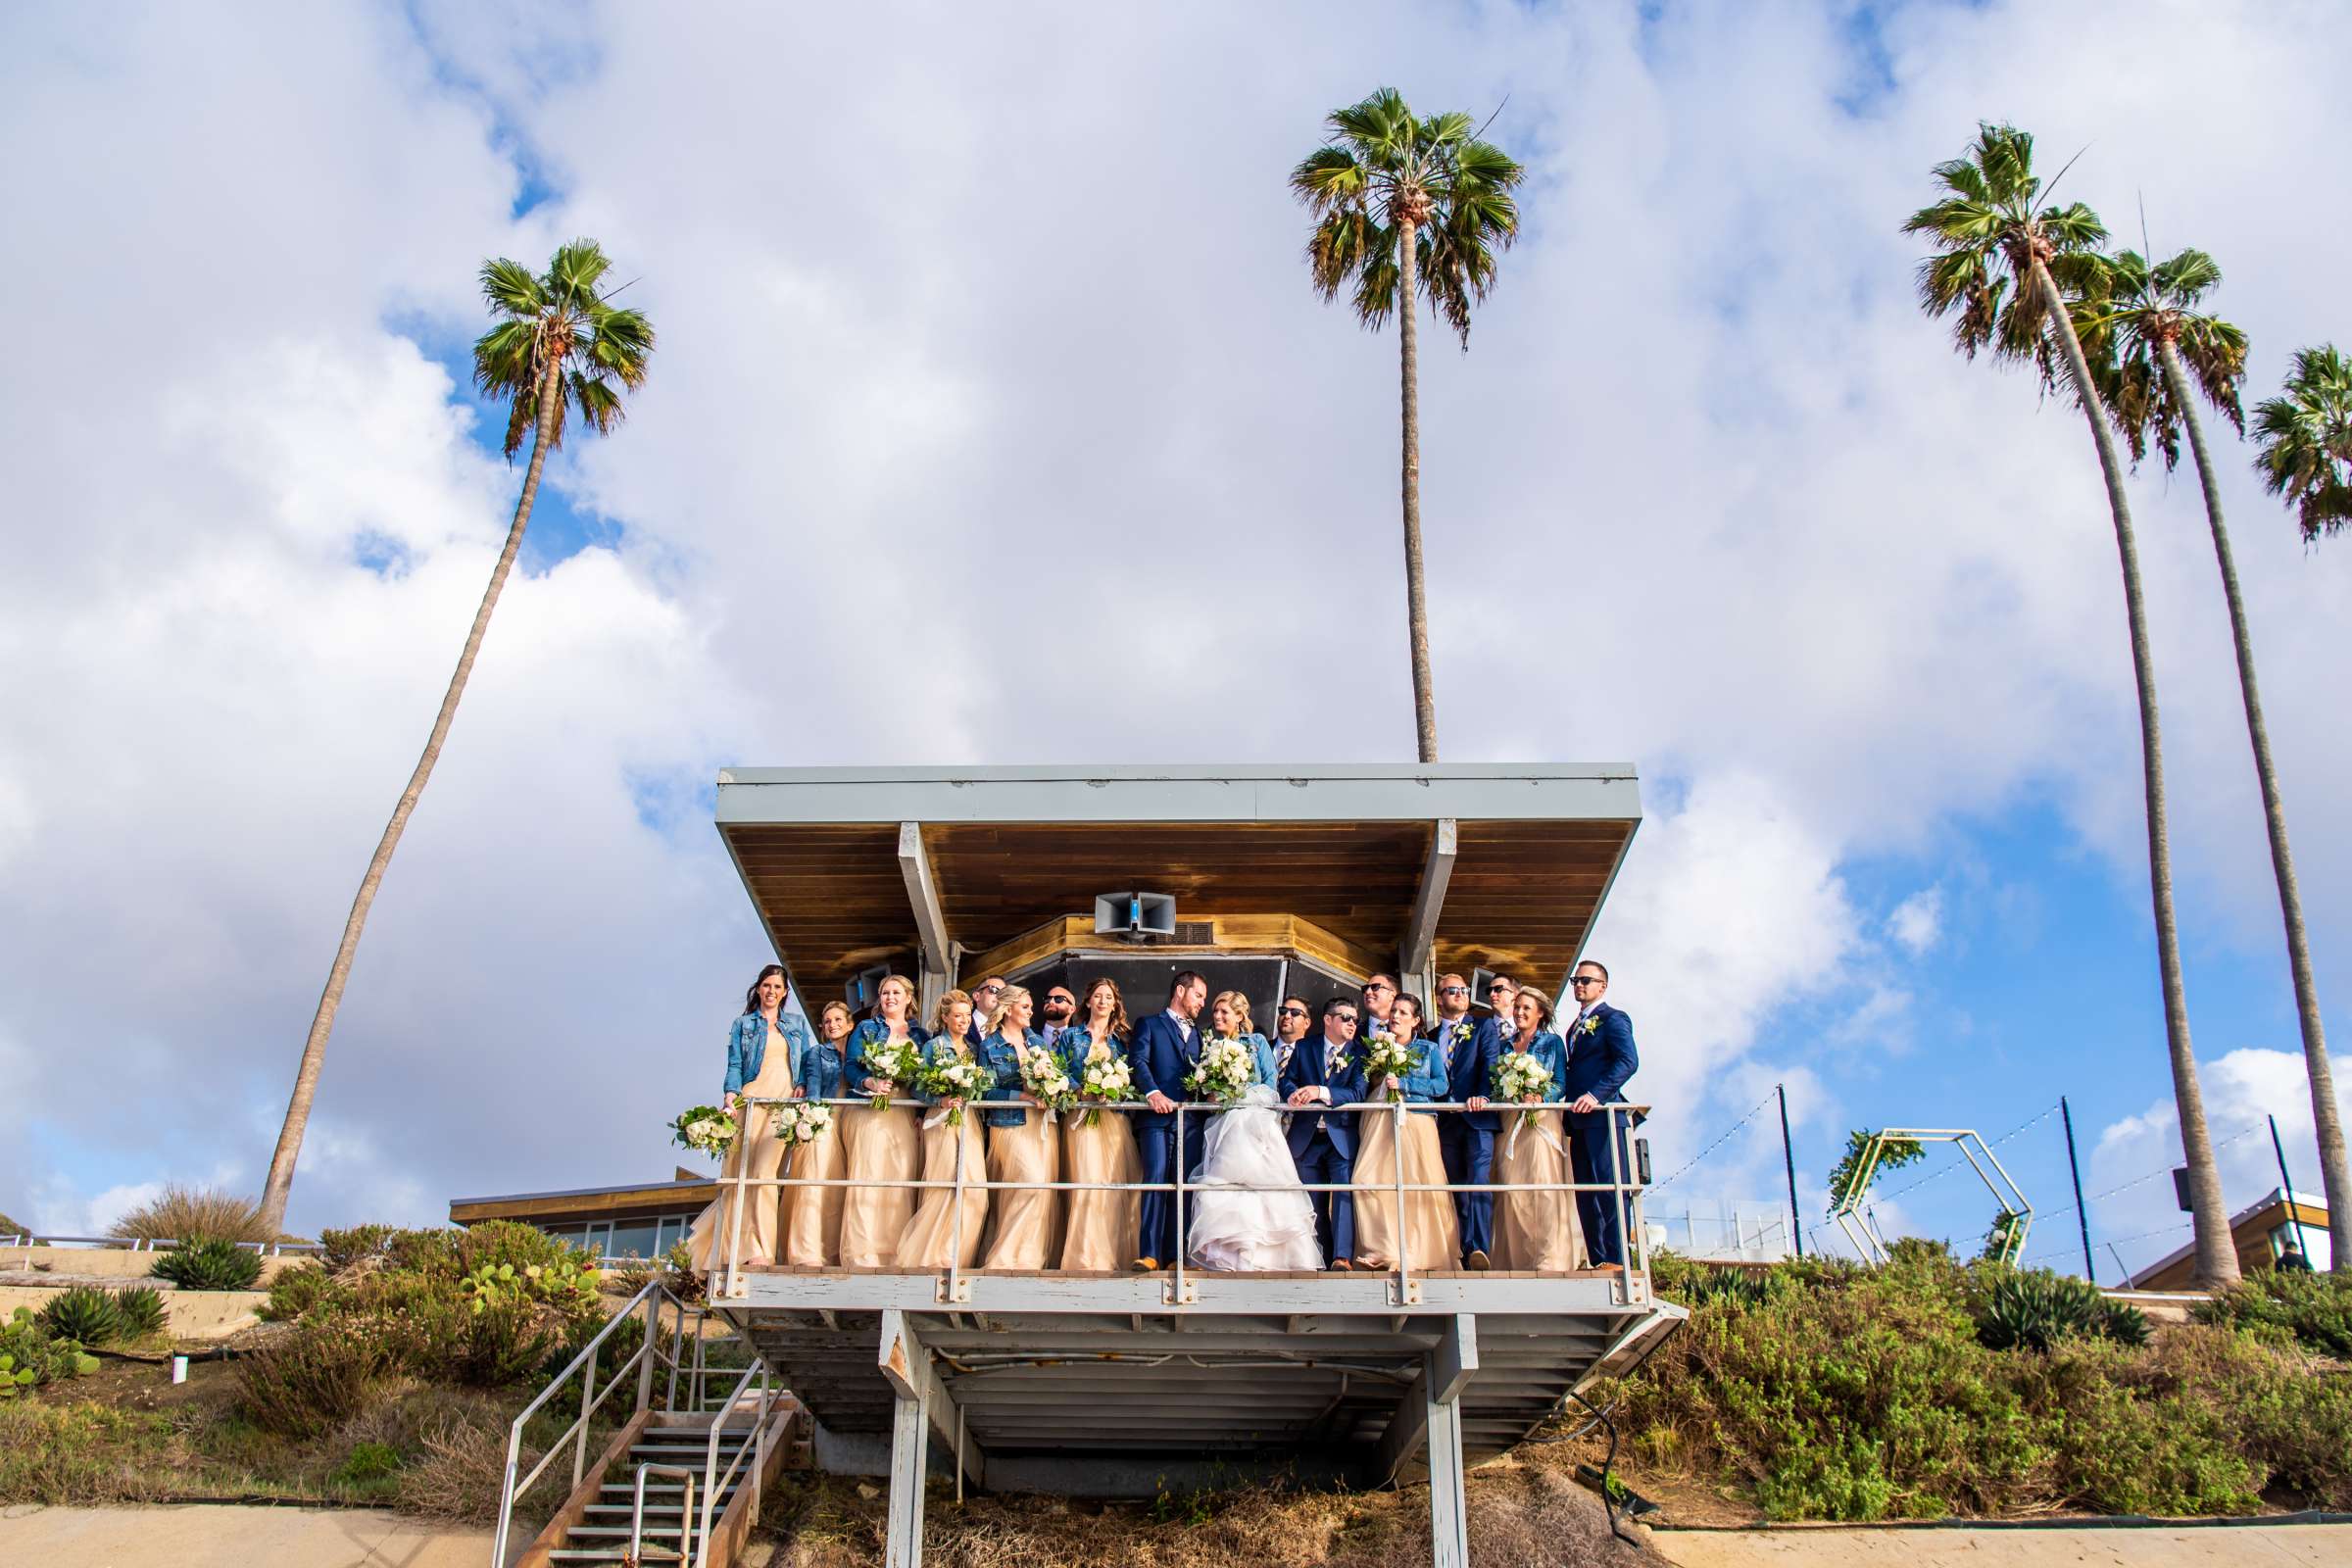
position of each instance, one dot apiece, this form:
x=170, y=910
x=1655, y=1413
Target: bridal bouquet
x=899, y=1060
x=1106, y=1077
x=956, y=1078
x=1389, y=1059
x=800, y=1122
x=1226, y=1068
x=1043, y=1075
x=1518, y=1074
x=704, y=1129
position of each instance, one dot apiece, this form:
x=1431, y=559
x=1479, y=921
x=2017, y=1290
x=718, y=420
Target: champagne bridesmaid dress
x=1534, y=1231
x=933, y=1235
x=1105, y=1229
x=1028, y=1229
x=1431, y=1236
x=879, y=1145
x=812, y=1228
x=758, y=1154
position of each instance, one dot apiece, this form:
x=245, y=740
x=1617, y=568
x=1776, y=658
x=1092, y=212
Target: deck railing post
x=579, y=1448
x=955, y=1284
x=1396, y=1216
x=648, y=1349
x=743, y=1163
x=1176, y=1292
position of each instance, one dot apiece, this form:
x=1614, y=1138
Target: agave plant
x=85, y=1314
x=211, y=1264
x=141, y=1309
x=2036, y=1310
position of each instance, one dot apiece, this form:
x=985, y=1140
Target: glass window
x=632, y=1239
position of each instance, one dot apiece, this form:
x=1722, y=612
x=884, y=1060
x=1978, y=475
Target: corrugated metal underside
x=1074, y=1383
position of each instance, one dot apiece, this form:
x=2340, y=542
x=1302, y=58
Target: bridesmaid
x=1534, y=1231
x=1229, y=1019
x=764, y=1051
x=1105, y=1229
x=812, y=1228
x=934, y=1235
x=881, y=1145
x=1023, y=1145
x=1432, y=1236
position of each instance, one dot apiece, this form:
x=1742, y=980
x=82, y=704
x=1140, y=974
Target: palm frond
x=509, y=288
x=2305, y=436
x=559, y=321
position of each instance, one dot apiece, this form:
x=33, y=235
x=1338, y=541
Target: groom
x=1168, y=1046
x=1324, y=1072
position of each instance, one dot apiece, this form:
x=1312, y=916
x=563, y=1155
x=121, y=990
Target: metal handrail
x=1626, y=1192
x=685, y=1511
x=716, y=1483
x=154, y=1244
x=641, y=1362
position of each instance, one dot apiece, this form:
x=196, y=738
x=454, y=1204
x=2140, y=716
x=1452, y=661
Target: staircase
x=702, y=1441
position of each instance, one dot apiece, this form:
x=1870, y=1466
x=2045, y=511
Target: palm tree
x=1998, y=266
x=2307, y=441
x=1405, y=207
x=558, y=345
x=2154, y=344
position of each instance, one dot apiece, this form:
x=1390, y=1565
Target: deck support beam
x=1418, y=951
x=1451, y=1365
x=930, y=919
x=912, y=1373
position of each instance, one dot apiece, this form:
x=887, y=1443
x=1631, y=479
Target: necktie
x=1332, y=1058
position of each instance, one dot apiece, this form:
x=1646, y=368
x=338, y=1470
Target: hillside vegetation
x=1823, y=1390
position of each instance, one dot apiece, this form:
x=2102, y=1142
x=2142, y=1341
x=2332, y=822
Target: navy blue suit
x=1599, y=1061
x=1322, y=1144
x=1162, y=1055
x=1466, y=1138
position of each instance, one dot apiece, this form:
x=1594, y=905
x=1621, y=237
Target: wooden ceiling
x=1522, y=896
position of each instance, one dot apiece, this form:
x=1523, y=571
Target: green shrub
x=312, y=1380
x=367, y=1462
x=427, y=1251
x=2036, y=1308
x=141, y=1308
x=2315, y=1309
x=497, y=1243
x=341, y=1250
x=213, y=1263
x=190, y=1213
x=30, y=1356
x=294, y=1293
x=84, y=1313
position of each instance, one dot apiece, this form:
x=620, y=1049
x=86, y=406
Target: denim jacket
x=1421, y=1082
x=1261, y=1055
x=941, y=1047
x=997, y=1053
x=747, y=1049
x=873, y=1032
x=1547, y=1049
x=822, y=1064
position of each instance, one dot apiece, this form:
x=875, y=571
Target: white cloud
x=1918, y=921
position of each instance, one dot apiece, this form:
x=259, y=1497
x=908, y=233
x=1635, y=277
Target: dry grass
x=1520, y=1514
x=458, y=1476
x=184, y=1214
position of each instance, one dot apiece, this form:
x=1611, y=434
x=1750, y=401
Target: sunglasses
x=1453, y=991
x=1585, y=980
x=1343, y=1017
x=1374, y=991
x=1290, y=1013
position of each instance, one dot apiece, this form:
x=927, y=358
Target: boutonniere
x=1589, y=1026
x=1462, y=1032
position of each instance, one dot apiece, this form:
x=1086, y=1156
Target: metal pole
x=2074, y=1168
x=2286, y=1184
x=1789, y=1161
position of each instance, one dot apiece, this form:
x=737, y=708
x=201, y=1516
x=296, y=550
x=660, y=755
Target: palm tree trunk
x=1425, y=700
x=322, y=1022
x=2216, y=1253
x=2324, y=1116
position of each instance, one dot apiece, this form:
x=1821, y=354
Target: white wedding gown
x=1240, y=1230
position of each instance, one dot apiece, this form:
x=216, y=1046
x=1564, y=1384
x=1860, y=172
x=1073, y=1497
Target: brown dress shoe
x=1478, y=1262
x=1341, y=1265
x=1147, y=1265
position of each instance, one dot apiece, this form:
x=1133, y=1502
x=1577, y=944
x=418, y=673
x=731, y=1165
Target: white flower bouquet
x=901, y=1061
x=800, y=1122
x=1518, y=1074
x=1106, y=1077
x=1047, y=1080
x=1226, y=1068
x=704, y=1129
x=956, y=1078
x=1388, y=1059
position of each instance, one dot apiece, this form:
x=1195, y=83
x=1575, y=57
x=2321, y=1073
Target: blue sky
x=1705, y=493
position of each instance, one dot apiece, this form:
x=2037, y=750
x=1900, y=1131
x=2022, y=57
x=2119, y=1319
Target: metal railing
x=685, y=1511
x=153, y=1244
x=1625, y=1191
x=686, y=1324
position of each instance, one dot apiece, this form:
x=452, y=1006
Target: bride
x=1249, y=1212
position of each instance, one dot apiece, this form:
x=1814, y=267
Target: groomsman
x=1323, y=1073
x=984, y=1002
x=1601, y=1058
x=1380, y=995
x=1466, y=1138
x=1166, y=1047
x=1056, y=1013
x=1291, y=1022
